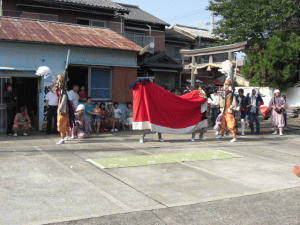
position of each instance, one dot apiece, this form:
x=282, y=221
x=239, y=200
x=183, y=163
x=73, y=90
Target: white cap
x=276, y=91
x=80, y=107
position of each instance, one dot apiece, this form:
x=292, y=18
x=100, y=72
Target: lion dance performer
x=228, y=121
x=158, y=110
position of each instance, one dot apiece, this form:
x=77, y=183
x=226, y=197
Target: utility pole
x=213, y=22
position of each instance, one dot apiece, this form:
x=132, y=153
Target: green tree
x=242, y=20
x=274, y=62
x=273, y=58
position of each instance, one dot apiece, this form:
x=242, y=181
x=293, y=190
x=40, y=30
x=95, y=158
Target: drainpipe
x=1, y=8
x=122, y=26
x=150, y=29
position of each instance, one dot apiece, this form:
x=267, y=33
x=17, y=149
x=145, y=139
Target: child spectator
x=22, y=122
x=82, y=95
x=117, y=121
x=99, y=113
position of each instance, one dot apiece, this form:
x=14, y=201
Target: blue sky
x=186, y=12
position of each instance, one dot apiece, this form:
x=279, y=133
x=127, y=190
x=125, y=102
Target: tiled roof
x=194, y=32
x=108, y=4
x=172, y=34
x=29, y=31
x=240, y=46
x=137, y=14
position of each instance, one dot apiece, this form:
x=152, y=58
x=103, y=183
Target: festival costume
x=228, y=121
x=277, y=114
x=65, y=111
x=158, y=110
x=63, y=124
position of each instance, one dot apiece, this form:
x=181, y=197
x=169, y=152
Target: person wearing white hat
x=277, y=104
x=81, y=128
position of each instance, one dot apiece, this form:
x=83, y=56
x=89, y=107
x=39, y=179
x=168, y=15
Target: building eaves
x=240, y=46
x=173, y=34
x=193, y=32
x=105, y=4
x=30, y=31
x=137, y=14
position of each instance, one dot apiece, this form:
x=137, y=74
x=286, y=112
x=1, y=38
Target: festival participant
x=228, y=120
x=215, y=101
x=201, y=131
x=254, y=103
x=65, y=113
x=63, y=124
x=142, y=138
x=277, y=104
x=158, y=110
x=22, y=122
x=242, y=109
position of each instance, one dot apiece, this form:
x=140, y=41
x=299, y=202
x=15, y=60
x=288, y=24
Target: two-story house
x=38, y=33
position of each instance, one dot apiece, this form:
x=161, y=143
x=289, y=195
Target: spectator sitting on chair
x=99, y=113
x=22, y=122
x=109, y=115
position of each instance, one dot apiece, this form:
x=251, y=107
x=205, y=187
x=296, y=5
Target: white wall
x=265, y=92
x=293, y=96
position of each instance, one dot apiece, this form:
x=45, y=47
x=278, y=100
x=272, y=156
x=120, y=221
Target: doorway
x=26, y=89
x=78, y=75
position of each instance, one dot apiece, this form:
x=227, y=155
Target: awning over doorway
x=164, y=70
x=5, y=68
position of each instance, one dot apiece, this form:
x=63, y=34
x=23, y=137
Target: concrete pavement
x=44, y=183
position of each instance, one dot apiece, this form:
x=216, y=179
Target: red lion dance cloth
x=159, y=110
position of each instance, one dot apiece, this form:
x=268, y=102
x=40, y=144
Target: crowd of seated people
x=104, y=117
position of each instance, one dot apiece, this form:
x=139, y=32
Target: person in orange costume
x=228, y=122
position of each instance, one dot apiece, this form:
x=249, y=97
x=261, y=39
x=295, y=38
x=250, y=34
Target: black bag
x=279, y=111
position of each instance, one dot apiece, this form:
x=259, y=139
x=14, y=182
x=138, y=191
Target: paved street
x=42, y=183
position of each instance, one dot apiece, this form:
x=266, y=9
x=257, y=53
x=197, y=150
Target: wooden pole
x=193, y=80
